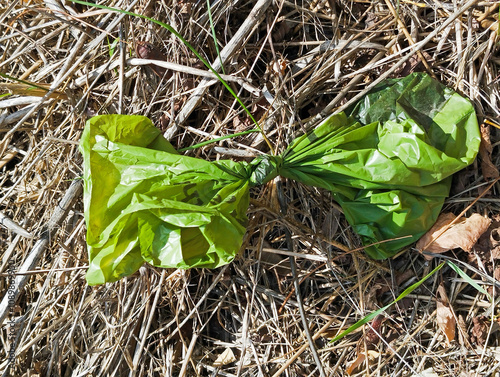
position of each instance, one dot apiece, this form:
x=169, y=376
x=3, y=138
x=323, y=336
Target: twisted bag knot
x=264, y=169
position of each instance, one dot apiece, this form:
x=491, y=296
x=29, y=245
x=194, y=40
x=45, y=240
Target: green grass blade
x=202, y=144
x=188, y=45
x=112, y=46
x=468, y=278
x=212, y=26
x=30, y=84
x=369, y=317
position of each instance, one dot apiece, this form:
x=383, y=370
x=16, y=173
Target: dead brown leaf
x=479, y=331
x=258, y=110
x=355, y=364
x=415, y=64
x=445, y=316
x=371, y=338
x=367, y=344
x=382, y=286
x=496, y=273
x=495, y=243
x=462, y=332
x=463, y=234
x=226, y=357
x=331, y=223
x=482, y=326
x=372, y=355
x=487, y=167
x=146, y=50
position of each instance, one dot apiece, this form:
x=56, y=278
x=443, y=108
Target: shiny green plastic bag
x=146, y=203
x=388, y=164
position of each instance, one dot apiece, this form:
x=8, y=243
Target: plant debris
x=448, y=234
x=445, y=316
x=487, y=167
x=145, y=50
x=293, y=64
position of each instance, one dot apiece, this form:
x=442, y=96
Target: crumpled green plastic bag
x=388, y=164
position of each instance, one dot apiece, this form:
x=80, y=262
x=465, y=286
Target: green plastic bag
x=388, y=164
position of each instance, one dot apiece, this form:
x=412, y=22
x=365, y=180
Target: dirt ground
x=291, y=63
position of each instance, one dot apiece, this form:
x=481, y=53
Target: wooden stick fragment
x=184, y=69
x=15, y=227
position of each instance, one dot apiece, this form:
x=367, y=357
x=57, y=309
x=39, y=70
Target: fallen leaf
x=226, y=357
x=281, y=30
x=373, y=295
x=463, y=234
x=462, y=332
x=372, y=355
x=145, y=50
x=445, y=316
x=241, y=123
x=367, y=344
x=415, y=64
x=482, y=327
x=495, y=242
x=495, y=237
x=479, y=331
x=487, y=167
x=496, y=273
x=372, y=337
x=331, y=223
x=355, y=364
x=383, y=285
x=164, y=122
x=245, y=123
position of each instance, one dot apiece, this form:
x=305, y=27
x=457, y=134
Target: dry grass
x=168, y=322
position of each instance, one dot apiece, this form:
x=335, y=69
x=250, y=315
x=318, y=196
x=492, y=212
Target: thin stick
x=356, y=79
x=198, y=304
x=121, y=79
x=411, y=42
x=15, y=227
x=65, y=72
x=185, y=69
x=188, y=354
x=36, y=272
